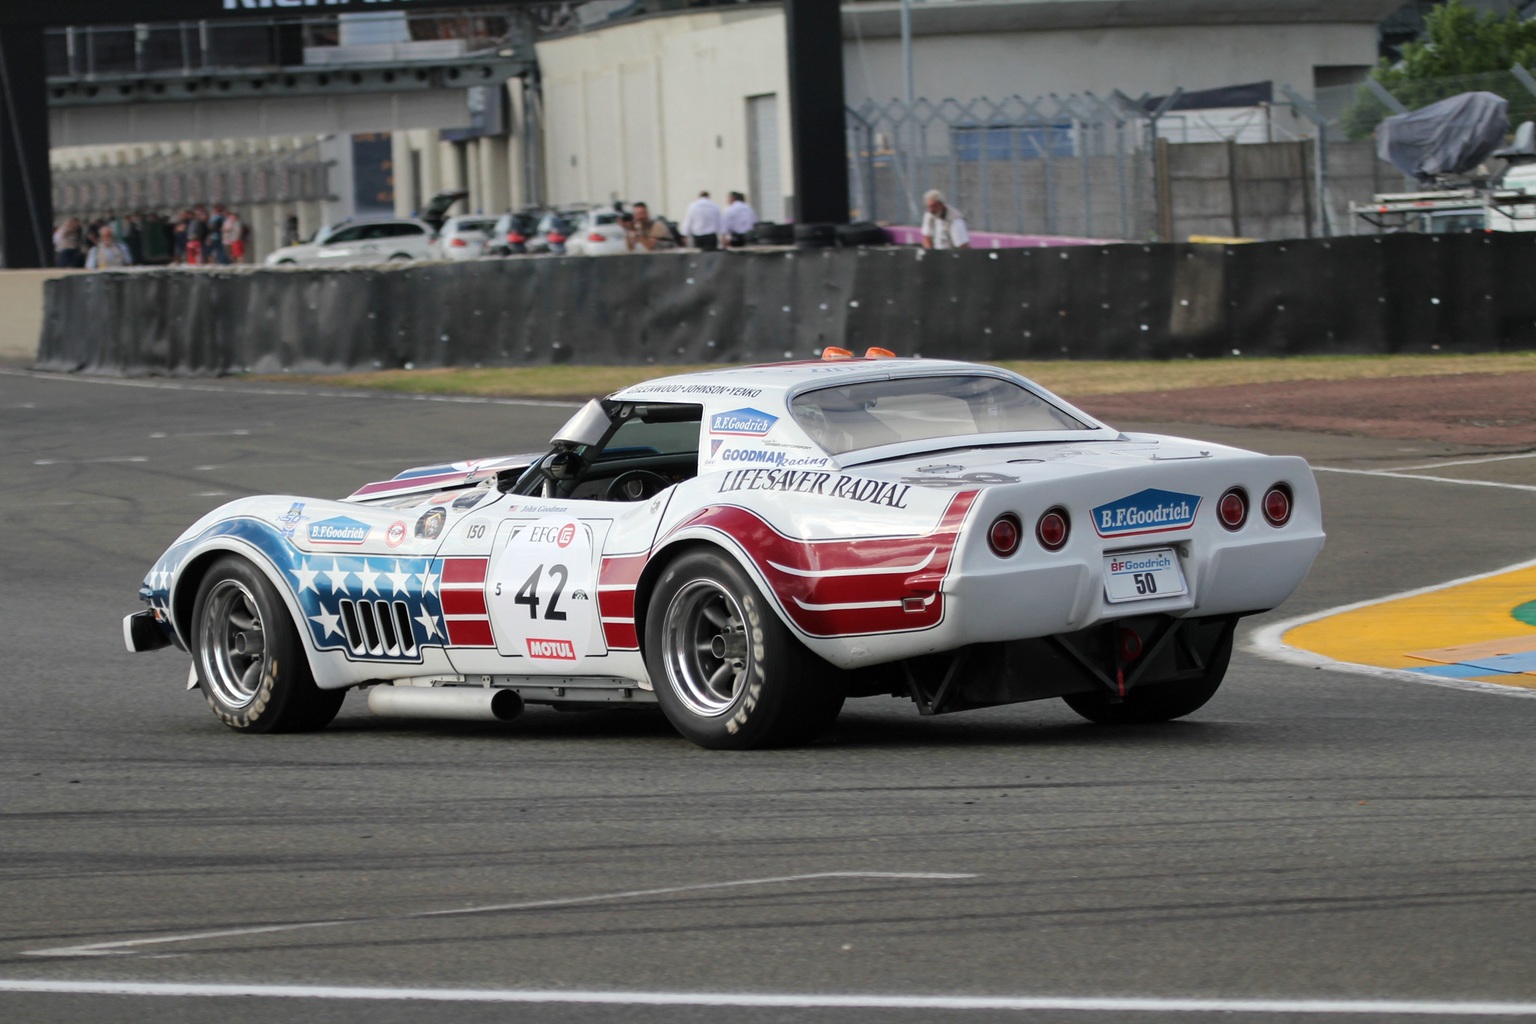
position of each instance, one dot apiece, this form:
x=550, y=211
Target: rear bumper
x=142, y=632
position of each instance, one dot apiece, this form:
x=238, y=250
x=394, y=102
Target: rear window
x=874, y=413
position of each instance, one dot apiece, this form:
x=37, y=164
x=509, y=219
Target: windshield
x=855, y=416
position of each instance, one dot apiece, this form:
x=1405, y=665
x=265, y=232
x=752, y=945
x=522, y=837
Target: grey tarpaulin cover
x=1449, y=137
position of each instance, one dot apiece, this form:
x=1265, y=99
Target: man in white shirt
x=702, y=223
x=740, y=219
x=108, y=252
x=943, y=225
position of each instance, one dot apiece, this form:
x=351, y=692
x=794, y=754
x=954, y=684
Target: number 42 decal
x=528, y=593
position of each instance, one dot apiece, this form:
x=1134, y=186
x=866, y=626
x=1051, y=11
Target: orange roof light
x=830, y=353
x=875, y=352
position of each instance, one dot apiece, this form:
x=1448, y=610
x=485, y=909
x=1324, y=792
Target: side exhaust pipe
x=461, y=703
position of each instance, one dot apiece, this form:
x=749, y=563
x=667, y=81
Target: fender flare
x=189, y=578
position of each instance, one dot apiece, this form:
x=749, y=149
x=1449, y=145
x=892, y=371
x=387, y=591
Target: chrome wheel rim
x=708, y=656
x=232, y=650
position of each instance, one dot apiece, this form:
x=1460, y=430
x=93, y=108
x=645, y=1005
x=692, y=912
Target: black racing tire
x=1158, y=702
x=250, y=662
x=728, y=674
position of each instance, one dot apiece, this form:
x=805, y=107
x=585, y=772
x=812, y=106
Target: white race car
x=748, y=547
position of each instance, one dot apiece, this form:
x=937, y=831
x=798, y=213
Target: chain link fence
x=1074, y=165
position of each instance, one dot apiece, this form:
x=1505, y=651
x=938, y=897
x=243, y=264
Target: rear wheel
x=728, y=674
x=1158, y=702
x=249, y=658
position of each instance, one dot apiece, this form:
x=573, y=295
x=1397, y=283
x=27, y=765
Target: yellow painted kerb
x=1440, y=628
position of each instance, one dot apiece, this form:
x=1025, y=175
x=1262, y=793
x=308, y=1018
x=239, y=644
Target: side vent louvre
x=407, y=634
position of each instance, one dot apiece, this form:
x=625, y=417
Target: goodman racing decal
x=761, y=457
x=1149, y=511
x=742, y=423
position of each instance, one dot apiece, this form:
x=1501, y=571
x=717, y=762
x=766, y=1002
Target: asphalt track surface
x=1313, y=844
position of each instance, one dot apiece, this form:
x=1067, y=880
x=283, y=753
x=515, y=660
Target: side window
x=404, y=230
x=345, y=235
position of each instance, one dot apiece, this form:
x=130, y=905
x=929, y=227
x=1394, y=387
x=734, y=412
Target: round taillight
x=1052, y=529
x=1232, y=509
x=1277, y=505
x=1003, y=537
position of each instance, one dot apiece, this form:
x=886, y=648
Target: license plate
x=1142, y=575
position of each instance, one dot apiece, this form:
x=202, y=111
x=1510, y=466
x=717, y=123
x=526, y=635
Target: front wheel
x=728, y=674
x=249, y=659
x=1159, y=702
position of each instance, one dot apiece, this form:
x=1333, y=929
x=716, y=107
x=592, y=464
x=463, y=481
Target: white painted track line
x=765, y=1000
x=127, y=946
x=1391, y=474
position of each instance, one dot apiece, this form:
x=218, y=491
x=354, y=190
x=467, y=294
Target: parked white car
x=597, y=233
x=466, y=238
x=362, y=242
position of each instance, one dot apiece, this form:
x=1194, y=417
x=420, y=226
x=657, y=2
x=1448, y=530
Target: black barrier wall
x=1401, y=293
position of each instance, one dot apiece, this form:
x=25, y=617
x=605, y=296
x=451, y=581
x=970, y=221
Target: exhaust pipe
x=462, y=703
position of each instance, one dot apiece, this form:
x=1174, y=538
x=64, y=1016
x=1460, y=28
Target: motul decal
x=556, y=650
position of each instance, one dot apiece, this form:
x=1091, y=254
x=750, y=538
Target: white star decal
x=399, y=580
x=428, y=583
x=306, y=577
x=336, y=576
x=429, y=622
x=369, y=578
x=326, y=621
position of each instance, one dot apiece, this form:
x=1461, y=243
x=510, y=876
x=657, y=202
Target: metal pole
x=910, y=95
x=1320, y=169
x=906, y=51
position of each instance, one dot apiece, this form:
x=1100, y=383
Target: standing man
x=943, y=225
x=645, y=234
x=234, y=237
x=108, y=252
x=702, y=223
x=740, y=219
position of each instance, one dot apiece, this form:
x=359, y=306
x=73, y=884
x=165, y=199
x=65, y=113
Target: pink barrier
x=901, y=235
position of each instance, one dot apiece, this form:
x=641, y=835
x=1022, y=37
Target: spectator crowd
x=197, y=236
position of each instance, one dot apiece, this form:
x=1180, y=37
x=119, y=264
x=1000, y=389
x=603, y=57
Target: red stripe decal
x=470, y=633
x=622, y=570
x=815, y=579
x=618, y=604
x=464, y=602
x=621, y=636
x=464, y=570
x=409, y=483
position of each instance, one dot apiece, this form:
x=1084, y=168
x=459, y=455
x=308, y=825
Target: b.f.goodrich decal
x=742, y=423
x=1149, y=511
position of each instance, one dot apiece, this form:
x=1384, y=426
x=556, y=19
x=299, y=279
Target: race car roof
x=776, y=379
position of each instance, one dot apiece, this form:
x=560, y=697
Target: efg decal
x=1148, y=511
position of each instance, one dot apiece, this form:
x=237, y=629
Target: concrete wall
x=656, y=110
x=21, y=312
x=1133, y=60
